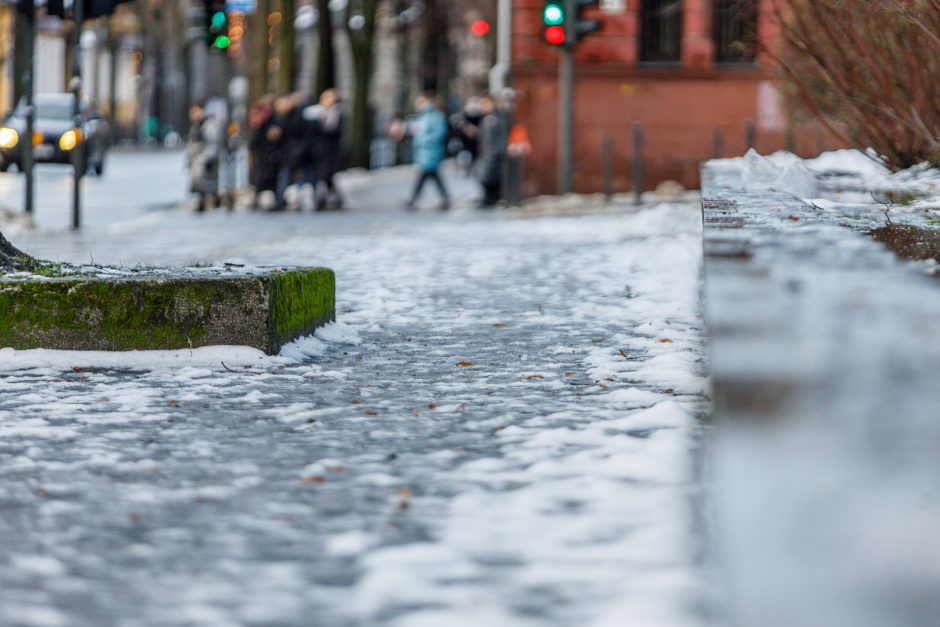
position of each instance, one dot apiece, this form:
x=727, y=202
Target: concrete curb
x=156, y=310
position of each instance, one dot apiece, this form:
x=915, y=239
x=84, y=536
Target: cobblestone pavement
x=503, y=429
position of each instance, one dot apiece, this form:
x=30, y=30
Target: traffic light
x=217, y=25
x=553, y=17
x=583, y=27
x=558, y=30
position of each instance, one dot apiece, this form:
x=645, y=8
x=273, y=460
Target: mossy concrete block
x=160, y=311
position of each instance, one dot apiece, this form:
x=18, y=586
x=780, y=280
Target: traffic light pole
x=79, y=152
x=566, y=103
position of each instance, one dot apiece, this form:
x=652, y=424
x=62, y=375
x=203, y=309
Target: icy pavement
x=504, y=428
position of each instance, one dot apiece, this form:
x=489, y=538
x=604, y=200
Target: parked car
x=55, y=136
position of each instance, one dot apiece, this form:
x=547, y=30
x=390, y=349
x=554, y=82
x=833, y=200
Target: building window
x=734, y=25
x=660, y=31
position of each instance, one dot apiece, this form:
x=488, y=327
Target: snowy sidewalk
x=503, y=429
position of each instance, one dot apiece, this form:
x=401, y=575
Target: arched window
x=734, y=29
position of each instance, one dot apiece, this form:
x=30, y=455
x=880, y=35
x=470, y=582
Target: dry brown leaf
x=665, y=341
x=622, y=354
x=314, y=479
x=535, y=376
x=500, y=325
x=465, y=364
x=432, y=405
x=174, y=403
x=570, y=374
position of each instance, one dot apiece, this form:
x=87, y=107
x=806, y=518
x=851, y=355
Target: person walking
x=264, y=149
x=494, y=134
x=294, y=146
x=202, y=154
x=331, y=120
x=429, y=130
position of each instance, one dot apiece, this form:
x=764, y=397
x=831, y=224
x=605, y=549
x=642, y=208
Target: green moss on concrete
x=263, y=311
x=301, y=301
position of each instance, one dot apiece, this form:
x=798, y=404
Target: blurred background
x=665, y=83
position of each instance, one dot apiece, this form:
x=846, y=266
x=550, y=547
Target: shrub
x=869, y=70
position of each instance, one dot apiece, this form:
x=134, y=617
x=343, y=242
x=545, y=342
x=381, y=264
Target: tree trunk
x=287, y=47
x=326, y=56
x=363, y=41
x=260, y=50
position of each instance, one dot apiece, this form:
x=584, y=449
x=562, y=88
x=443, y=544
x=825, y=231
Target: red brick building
x=688, y=70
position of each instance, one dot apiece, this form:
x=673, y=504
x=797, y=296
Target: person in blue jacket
x=429, y=130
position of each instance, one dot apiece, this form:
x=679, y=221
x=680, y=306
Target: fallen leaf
x=668, y=391
x=500, y=325
x=535, y=376
x=432, y=405
x=370, y=412
x=570, y=374
x=314, y=479
x=622, y=354
x=794, y=218
x=357, y=402
x=76, y=368
x=665, y=341
x=174, y=403
x=499, y=427
x=464, y=364
x=595, y=341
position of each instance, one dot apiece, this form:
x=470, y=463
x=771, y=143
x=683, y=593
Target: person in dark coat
x=264, y=147
x=294, y=147
x=329, y=139
x=494, y=134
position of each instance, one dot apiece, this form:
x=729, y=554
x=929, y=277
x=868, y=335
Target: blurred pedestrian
x=466, y=125
x=494, y=134
x=295, y=154
x=264, y=147
x=429, y=130
x=202, y=154
x=331, y=120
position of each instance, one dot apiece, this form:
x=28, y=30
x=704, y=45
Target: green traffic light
x=553, y=15
x=222, y=42
x=219, y=20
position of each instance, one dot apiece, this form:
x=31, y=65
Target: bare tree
x=868, y=70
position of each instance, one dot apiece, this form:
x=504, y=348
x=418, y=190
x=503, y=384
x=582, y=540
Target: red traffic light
x=480, y=28
x=555, y=35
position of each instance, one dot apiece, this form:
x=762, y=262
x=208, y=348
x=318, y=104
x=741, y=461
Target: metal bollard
x=637, y=163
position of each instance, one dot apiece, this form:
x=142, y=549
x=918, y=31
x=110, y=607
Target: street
x=502, y=428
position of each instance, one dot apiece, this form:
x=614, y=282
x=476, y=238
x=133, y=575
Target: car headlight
x=70, y=139
x=8, y=138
